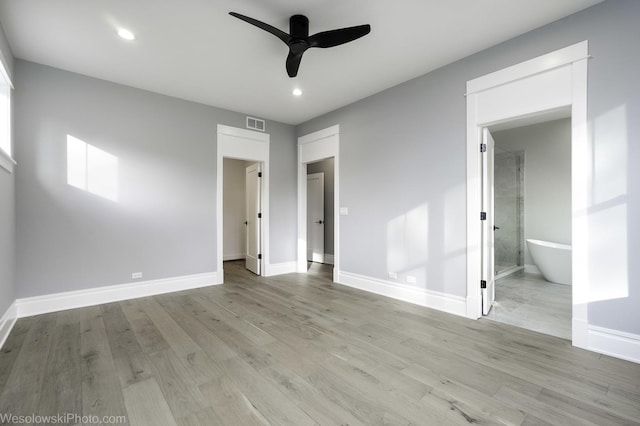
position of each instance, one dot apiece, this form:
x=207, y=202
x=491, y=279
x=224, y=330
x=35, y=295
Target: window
x=5, y=119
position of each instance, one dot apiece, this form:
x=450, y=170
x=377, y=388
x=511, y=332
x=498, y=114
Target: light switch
x=344, y=211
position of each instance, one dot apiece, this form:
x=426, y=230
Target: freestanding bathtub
x=552, y=259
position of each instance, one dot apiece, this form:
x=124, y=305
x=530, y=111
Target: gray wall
x=164, y=222
x=547, y=176
x=7, y=210
x=326, y=167
x=403, y=150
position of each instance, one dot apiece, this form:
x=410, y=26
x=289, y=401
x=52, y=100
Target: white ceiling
x=192, y=49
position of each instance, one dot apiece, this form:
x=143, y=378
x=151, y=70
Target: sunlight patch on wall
x=408, y=243
x=92, y=169
x=610, y=155
x=607, y=213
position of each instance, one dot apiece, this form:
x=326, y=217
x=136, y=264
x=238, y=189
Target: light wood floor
x=299, y=350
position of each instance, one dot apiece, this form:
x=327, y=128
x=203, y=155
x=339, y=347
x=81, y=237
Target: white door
x=253, y=218
x=488, y=266
x=315, y=217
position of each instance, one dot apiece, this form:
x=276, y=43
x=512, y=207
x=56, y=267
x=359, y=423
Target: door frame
x=314, y=147
x=319, y=175
x=242, y=144
x=488, y=294
x=546, y=83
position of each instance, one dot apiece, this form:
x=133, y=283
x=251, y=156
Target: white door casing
x=548, y=82
x=253, y=218
x=315, y=217
x=488, y=247
x=242, y=144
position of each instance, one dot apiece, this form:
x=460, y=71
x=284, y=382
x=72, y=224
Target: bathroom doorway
x=320, y=211
x=532, y=201
x=539, y=86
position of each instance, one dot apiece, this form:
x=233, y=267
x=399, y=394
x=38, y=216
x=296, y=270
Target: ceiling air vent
x=255, y=124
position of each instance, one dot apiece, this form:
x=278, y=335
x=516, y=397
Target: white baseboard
x=431, y=299
x=280, y=268
x=30, y=306
x=7, y=322
x=615, y=343
x=579, y=333
x=328, y=259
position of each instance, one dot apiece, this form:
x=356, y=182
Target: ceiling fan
x=298, y=40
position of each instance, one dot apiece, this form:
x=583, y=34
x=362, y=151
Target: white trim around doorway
x=314, y=147
x=555, y=80
x=241, y=144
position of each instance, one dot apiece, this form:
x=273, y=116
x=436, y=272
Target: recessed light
x=297, y=92
x=126, y=34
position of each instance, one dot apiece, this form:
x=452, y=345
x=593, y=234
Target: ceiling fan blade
x=266, y=27
x=293, y=63
x=338, y=37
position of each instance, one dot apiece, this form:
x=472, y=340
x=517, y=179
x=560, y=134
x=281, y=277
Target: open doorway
x=251, y=150
x=242, y=213
x=320, y=211
x=531, y=223
x=542, y=85
x=319, y=152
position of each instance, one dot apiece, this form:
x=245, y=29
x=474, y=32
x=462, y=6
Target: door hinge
x=483, y=284
x=259, y=174
x=483, y=147
x=483, y=215
x=259, y=215
x=259, y=256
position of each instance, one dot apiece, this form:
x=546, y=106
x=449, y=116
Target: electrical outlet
x=393, y=275
x=136, y=275
x=411, y=279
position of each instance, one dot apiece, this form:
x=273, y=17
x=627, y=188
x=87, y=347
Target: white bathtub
x=552, y=259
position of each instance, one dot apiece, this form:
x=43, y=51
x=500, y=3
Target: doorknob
x=319, y=221
x=246, y=223
x=495, y=228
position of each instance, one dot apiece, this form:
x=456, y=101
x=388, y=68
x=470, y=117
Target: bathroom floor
x=529, y=301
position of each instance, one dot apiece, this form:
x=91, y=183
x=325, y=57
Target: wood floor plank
x=132, y=364
x=308, y=398
x=255, y=355
x=101, y=392
x=147, y=334
x=146, y=405
x=204, y=417
x=538, y=409
x=230, y=405
x=268, y=400
x=62, y=383
x=177, y=338
x=201, y=367
x=21, y=393
x=182, y=310
x=11, y=348
x=179, y=389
